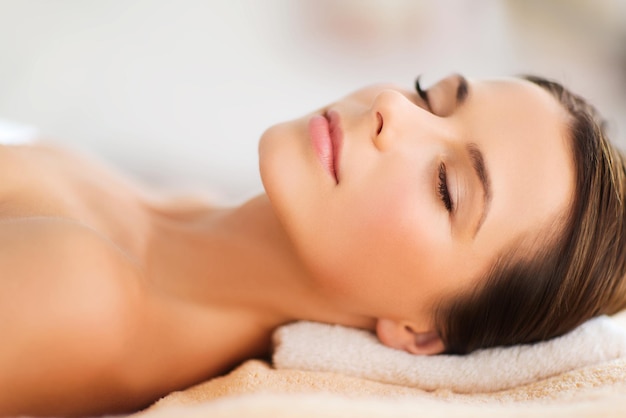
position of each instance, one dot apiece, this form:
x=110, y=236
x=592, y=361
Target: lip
x=326, y=137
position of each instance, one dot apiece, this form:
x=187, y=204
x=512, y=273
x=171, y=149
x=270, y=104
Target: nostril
x=380, y=123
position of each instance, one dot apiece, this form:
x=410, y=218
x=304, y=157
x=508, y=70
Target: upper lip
x=336, y=138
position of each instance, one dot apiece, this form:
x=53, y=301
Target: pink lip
x=326, y=136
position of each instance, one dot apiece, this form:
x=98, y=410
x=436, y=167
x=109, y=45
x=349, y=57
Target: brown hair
x=579, y=274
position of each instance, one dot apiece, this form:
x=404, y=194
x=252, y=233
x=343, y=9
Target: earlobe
x=402, y=336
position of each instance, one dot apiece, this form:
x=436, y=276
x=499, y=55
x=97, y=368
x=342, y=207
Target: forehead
x=523, y=132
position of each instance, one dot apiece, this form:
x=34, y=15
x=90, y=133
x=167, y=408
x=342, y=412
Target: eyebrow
x=478, y=164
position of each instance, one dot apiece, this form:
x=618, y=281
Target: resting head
x=472, y=214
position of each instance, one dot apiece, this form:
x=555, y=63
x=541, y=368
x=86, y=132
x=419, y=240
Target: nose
x=393, y=115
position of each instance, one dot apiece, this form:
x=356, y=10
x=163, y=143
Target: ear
x=403, y=336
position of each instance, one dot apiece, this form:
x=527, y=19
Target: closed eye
x=442, y=188
x=443, y=98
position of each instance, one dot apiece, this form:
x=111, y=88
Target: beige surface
x=256, y=390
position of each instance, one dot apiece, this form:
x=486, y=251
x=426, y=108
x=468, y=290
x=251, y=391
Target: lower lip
x=319, y=130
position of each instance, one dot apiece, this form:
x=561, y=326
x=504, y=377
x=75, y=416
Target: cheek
x=385, y=248
x=401, y=215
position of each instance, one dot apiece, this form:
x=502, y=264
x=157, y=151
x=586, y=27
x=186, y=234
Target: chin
x=266, y=154
x=276, y=160
x=283, y=166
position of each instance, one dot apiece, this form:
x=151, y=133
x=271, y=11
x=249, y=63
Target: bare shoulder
x=66, y=306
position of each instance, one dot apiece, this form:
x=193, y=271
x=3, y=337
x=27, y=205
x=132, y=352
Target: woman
x=476, y=213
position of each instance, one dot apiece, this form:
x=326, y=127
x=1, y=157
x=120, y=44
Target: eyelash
x=423, y=94
x=442, y=188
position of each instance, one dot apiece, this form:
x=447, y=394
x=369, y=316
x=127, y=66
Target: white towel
x=333, y=348
x=12, y=133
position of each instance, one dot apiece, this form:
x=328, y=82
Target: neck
x=238, y=258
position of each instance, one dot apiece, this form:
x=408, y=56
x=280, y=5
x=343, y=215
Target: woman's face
x=395, y=202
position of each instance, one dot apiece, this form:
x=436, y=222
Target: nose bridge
x=398, y=119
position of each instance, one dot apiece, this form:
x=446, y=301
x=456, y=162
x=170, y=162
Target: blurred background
x=178, y=92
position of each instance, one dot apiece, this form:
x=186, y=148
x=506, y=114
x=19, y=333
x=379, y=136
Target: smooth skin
x=112, y=296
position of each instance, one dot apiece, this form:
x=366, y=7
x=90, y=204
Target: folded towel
x=333, y=348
